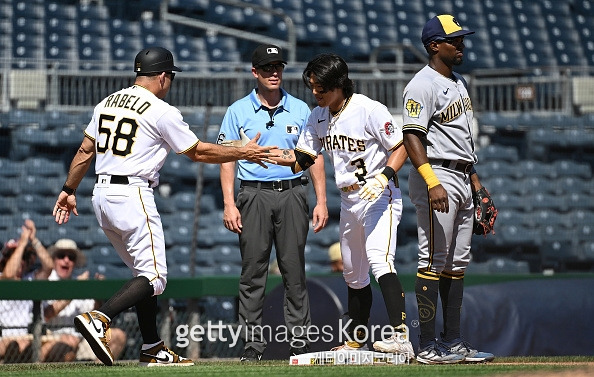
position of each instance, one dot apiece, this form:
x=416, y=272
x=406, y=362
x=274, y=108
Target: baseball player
x=130, y=134
x=437, y=127
x=365, y=147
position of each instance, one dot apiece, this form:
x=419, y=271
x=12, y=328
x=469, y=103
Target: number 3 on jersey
x=361, y=169
x=123, y=137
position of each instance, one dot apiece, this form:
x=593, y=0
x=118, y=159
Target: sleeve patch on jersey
x=292, y=129
x=389, y=128
x=221, y=138
x=414, y=108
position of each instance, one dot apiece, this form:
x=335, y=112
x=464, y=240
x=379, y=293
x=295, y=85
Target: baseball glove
x=485, y=212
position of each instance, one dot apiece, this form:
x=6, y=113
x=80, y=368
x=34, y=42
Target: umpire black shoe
x=298, y=350
x=251, y=355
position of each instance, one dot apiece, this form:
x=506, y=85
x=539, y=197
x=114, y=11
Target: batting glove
x=374, y=188
x=237, y=143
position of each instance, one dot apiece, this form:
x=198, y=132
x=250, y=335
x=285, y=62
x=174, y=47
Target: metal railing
x=77, y=90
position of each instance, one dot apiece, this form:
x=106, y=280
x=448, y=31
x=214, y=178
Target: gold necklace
x=334, y=118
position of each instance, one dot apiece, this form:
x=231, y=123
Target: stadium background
x=529, y=68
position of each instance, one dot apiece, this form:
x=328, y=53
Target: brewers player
x=365, y=147
x=130, y=134
x=437, y=126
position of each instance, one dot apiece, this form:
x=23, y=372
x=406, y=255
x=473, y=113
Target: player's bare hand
x=64, y=206
x=320, y=217
x=259, y=154
x=438, y=197
x=232, y=219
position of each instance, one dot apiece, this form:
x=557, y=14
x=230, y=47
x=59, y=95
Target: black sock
x=128, y=296
x=146, y=311
x=451, y=292
x=359, y=303
x=426, y=292
x=394, y=298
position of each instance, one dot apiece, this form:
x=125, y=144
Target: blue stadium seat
x=93, y=11
x=498, y=152
x=8, y=206
x=224, y=14
x=257, y=20
x=28, y=9
x=222, y=49
x=55, y=9
x=40, y=166
x=564, y=168
x=190, y=52
x=437, y=7
x=157, y=33
x=10, y=168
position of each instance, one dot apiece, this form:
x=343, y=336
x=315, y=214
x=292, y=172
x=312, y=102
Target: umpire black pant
x=282, y=217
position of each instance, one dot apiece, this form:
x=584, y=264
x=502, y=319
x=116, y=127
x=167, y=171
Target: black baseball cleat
x=298, y=350
x=251, y=355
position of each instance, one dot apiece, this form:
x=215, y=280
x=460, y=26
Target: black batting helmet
x=154, y=60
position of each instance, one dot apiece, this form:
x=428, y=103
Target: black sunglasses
x=272, y=67
x=452, y=41
x=172, y=75
x=62, y=255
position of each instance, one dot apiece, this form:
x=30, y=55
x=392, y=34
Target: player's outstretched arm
x=216, y=154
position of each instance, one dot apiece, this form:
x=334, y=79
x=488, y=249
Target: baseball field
x=575, y=366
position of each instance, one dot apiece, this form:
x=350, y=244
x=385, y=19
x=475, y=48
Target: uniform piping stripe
x=148, y=224
x=414, y=127
x=431, y=240
x=193, y=146
x=453, y=275
x=397, y=145
x=306, y=152
x=426, y=274
x=390, y=233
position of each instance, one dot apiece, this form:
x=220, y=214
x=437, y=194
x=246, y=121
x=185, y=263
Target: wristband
x=428, y=175
x=68, y=190
x=388, y=172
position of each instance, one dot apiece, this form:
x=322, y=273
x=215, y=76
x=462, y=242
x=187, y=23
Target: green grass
x=518, y=366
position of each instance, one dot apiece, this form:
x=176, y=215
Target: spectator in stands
x=59, y=314
x=18, y=259
x=271, y=204
x=335, y=257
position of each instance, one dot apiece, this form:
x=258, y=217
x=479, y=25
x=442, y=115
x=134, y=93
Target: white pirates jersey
x=358, y=140
x=440, y=108
x=134, y=131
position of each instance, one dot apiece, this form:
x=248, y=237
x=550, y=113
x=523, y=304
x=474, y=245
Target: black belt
x=464, y=167
x=116, y=180
x=277, y=185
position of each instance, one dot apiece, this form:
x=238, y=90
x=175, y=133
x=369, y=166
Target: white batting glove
x=374, y=188
x=237, y=143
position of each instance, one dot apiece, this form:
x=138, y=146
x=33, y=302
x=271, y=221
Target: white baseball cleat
x=395, y=344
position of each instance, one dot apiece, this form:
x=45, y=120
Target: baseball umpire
x=437, y=127
x=130, y=134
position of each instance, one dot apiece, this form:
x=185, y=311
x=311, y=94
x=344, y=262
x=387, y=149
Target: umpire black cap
x=154, y=60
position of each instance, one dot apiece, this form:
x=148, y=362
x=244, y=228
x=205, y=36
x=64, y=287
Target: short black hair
x=331, y=72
